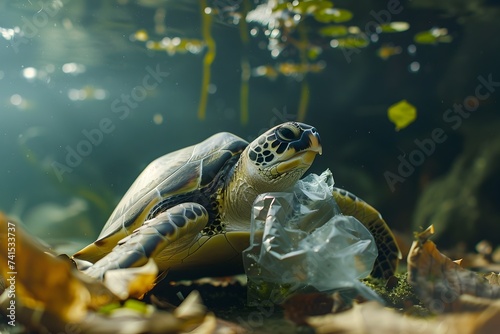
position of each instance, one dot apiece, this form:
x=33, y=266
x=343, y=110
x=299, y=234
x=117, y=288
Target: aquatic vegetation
x=246, y=71
x=333, y=31
x=394, y=27
x=402, y=114
x=297, y=32
x=176, y=45
x=303, y=101
x=171, y=45
x=208, y=58
x=329, y=15
x=351, y=42
x=433, y=36
x=288, y=69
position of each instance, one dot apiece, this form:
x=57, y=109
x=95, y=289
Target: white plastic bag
x=299, y=240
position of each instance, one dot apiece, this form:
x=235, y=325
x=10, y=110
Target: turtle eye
x=288, y=132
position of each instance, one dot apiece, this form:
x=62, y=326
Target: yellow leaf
x=402, y=114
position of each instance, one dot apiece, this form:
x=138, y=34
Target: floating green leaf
x=313, y=53
x=282, y=6
x=351, y=42
x=395, y=26
x=333, y=31
x=328, y=15
x=312, y=7
x=433, y=36
x=425, y=37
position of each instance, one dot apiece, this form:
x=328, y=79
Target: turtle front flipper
x=388, y=250
x=179, y=223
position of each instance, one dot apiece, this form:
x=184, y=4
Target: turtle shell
x=174, y=175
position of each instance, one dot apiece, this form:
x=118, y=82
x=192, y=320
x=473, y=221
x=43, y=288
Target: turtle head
x=278, y=158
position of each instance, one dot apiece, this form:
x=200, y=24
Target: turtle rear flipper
x=388, y=250
x=147, y=241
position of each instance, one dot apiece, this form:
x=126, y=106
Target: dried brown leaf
x=190, y=315
x=42, y=281
x=191, y=307
x=52, y=296
x=132, y=282
x=493, y=279
x=372, y=317
x=439, y=282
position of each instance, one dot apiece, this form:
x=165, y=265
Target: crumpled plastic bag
x=300, y=240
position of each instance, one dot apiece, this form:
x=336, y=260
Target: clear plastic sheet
x=299, y=240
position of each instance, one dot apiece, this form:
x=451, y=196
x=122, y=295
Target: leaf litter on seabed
x=462, y=301
x=51, y=295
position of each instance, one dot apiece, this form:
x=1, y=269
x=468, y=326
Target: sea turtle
x=190, y=209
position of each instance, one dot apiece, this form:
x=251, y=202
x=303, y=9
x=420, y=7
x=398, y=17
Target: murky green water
x=90, y=92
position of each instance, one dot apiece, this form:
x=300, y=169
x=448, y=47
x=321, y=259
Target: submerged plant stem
x=206, y=24
x=245, y=66
x=304, y=101
x=304, y=92
x=244, y=90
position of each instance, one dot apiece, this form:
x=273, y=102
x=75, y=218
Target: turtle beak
x=315, y=142
x=314, y=148
x=304, y=158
